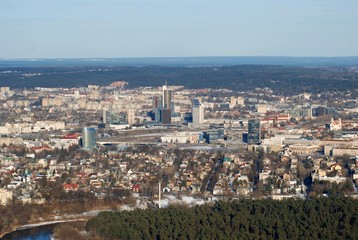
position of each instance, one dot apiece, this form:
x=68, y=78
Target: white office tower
x=116, y=95
x=164, y=94
x=104, y=117
x=198, y=113
x=76, y=94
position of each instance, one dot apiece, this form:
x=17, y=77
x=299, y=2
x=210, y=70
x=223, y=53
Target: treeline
x=321, y=218
x=283, y=80
x=20, y=214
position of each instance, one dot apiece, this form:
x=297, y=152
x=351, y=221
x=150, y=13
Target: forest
x=319, y=218
x=285, y=80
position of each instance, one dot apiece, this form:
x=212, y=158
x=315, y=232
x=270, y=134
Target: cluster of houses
x=297, y=137
x=181, y=172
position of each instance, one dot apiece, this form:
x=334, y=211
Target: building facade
x=197, y=112
x=89, y=138
x=254, y=131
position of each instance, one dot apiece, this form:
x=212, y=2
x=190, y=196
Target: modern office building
x=89, y=138
x=167, y=98
x=197, y=112
x=156, y=102
x=157, y=115
x=173, y=109
x=306, y=111
x=188, y=117
x=321, y=111
x=165, y=116
x=104, y=116
x=254, y=131
x=213, y=134
x=166, y=110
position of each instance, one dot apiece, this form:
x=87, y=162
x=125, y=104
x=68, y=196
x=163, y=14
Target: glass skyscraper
x=89, y=138
x=254, y=131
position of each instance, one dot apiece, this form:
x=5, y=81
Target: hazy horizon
x=180, y=61
x=179, y=57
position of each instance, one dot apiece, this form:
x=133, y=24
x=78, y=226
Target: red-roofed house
x=40, y=149
x=136, y=188
x=70, y=187
x=70, y=139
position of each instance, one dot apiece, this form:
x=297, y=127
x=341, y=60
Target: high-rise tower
x=104, y=116
x=254, y=131
x=89, y=138
x=165, y=111
x=197, y=111
x=167, y=98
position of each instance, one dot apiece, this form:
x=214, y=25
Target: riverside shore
x=54, y=220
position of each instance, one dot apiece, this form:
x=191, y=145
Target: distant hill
x=182, y=61
x=282, y=79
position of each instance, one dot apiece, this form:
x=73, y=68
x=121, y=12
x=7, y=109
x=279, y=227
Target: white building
x=335, y=125
x=262, y=108
x=236, y=101
x=5, y=196
x=198, y=113
x=131, y=116
x=181, y=137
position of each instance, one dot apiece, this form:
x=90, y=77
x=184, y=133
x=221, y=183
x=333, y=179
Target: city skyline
x=95, y=29
x=110, y=146
x=182, y=119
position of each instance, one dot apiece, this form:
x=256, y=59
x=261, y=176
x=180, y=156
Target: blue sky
x=177, y=28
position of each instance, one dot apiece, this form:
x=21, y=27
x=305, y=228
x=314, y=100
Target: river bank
x=55, y=220
x=42, y=230
x=40, y=224
x=140, y=203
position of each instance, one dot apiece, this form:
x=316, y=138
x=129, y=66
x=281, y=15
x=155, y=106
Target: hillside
x=281, y=79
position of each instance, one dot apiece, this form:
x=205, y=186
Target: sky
x=177, y=28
